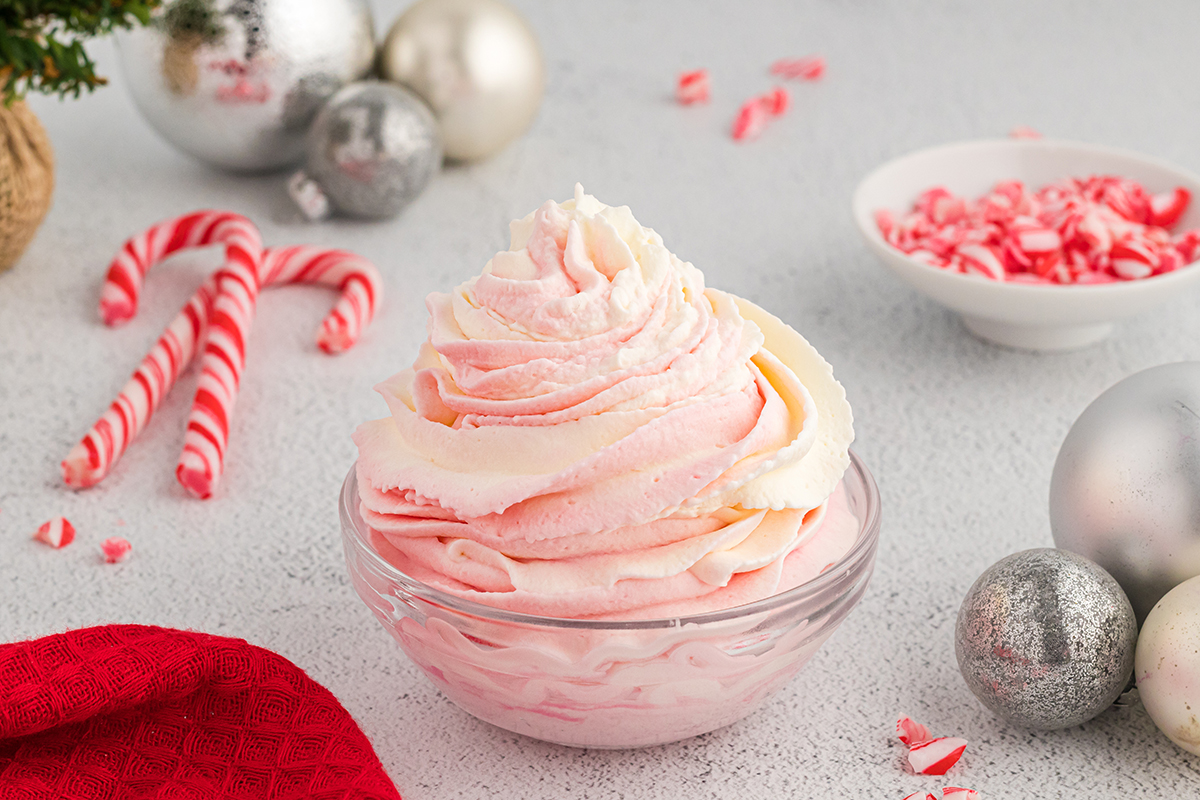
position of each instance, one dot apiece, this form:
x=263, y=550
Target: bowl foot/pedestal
x=1037, y=337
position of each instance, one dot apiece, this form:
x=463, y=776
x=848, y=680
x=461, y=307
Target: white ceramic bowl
x=1027, y=316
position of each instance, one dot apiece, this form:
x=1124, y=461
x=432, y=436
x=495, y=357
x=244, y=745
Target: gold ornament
x=478, y=65
x=26, y=179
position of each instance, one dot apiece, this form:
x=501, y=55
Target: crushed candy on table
x=58, y=532
x=115, y=549
x=959, y=793
x=693, y=87
x=912, y=733
x=808, y=68
x=1098, y=229
x=756, y=112
x=927, y=755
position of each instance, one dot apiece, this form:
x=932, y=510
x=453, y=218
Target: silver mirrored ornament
x=478, y=65
x=372, y=149
x=1126, y=485
x=1045, y=639
x=236, y=83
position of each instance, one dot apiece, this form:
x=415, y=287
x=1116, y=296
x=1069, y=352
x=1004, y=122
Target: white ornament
x=478, y=65
x=1167, y=665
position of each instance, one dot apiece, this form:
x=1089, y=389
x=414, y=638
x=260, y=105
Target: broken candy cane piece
x=1133, y=258
x=912, y=733
x=692, y=87
x=978, y=259
x=115, y=549
x=920, y=796
x=58, y=532
x=776, y=101
x=937, y=755
x=756, y=112
x=809, y=68
x=1168, y=207
x=751, y=119
x=959, y=793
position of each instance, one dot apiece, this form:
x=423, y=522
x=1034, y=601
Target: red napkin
x=130, y=711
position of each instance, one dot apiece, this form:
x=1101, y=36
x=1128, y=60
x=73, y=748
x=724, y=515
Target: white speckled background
x=960, y=435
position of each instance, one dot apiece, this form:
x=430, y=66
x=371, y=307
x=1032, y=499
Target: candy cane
x=91, y=459
x=224, y=358
x=123, y=284
x=248, y=268
x=356, y=277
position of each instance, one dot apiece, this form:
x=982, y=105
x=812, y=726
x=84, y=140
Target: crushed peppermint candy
x=692, y=87
x=959, y=793
x=936, y=756
x=756, y=112
x=808, y=68
x=927, y=755
x=912, y=733
x=115, y=549
x=1098, y=229
x=58, y=532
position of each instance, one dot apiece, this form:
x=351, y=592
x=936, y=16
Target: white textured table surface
x=960, y=435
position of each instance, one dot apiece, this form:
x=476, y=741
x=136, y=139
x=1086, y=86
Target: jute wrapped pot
x=26, y=179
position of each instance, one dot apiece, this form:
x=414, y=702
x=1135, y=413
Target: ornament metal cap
x=308, y=197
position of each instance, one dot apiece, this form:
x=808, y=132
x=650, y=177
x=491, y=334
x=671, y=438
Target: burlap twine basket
x=26, y=179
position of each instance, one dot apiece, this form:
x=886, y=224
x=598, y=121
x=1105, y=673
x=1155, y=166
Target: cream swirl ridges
x=590, y=432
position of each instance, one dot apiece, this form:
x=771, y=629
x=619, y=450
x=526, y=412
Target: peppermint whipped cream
x=589, y=432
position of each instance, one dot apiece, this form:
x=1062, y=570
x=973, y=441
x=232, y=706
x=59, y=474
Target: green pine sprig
x=41, y=42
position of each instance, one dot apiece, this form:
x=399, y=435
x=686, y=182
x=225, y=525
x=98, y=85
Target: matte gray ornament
x=476, y=62
x=1045, y=639
x=373, y=148
x=236, y=83
x=1126, y=486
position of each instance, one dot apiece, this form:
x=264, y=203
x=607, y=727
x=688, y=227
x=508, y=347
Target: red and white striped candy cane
x=91, y=459
x=356, y=277
x=223, y=359
x=127, y=272
x=228, y=299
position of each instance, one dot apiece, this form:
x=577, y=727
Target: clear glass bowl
x=589, y=683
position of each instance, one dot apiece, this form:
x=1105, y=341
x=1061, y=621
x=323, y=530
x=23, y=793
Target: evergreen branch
x=41, y=42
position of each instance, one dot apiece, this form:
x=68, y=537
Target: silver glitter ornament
x=1126, y=486
x=371, y=151
x=236, y=83
x=478, y=65
x=1045, y=639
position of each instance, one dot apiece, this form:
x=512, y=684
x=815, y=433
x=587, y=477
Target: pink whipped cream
x=589, y=432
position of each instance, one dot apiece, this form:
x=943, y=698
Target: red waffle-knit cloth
x=130, y=711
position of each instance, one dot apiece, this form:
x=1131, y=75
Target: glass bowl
x=606, y=684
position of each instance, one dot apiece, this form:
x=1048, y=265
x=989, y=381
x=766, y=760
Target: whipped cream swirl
x=590, y=432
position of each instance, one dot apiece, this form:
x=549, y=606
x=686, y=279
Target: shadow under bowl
x=610, y=684
x=1033, y=317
